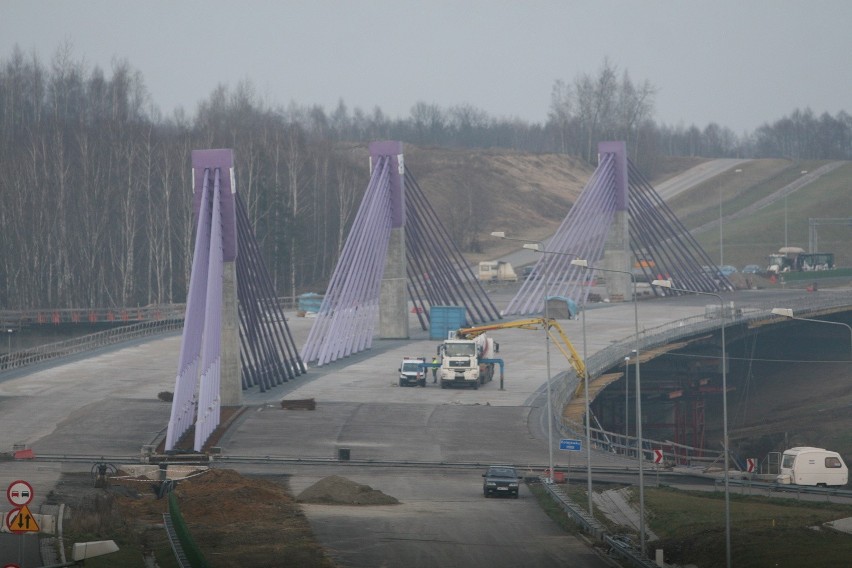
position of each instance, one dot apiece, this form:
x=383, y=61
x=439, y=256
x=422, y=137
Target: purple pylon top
x=618, y=150
x=393, y=150
x=222, y=159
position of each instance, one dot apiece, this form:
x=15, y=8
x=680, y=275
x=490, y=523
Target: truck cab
x=412, y=372
x=459, y=363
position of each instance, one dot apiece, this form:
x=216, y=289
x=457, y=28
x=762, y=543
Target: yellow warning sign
x=21, y=521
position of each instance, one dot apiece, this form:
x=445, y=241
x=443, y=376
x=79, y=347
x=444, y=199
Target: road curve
x=107, y=405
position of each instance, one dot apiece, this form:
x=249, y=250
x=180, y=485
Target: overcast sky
x=739, y=63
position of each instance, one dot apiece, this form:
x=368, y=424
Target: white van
x=812, y=466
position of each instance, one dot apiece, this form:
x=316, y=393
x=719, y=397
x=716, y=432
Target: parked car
x=529, y=273
x=411, y=372
x=501, y=480
x=727, y=269
x=751, y=269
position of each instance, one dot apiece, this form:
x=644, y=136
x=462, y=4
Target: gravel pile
x=336, y=490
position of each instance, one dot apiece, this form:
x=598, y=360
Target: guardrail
x=50, y=351
x=24, y=318
x=616, y=546
x=564, y=385
x=799, y=490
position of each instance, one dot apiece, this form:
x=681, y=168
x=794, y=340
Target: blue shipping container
x=310, y=302
x=443, y=319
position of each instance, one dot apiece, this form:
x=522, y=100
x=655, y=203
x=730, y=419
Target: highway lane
x=676, y=185
x=442, y=520
x=107, y=405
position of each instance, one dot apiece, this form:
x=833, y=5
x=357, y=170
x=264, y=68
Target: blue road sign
x=570, y=445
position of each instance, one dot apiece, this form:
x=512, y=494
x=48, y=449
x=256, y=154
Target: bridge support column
x=617, y=251
x=393, y=299
x=230, y=380
x=230, y=387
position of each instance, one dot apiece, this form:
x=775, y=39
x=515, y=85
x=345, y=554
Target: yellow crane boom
x=554, y=330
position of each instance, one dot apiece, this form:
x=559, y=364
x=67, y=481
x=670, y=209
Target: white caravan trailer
x=812, y=466
x=497, y=270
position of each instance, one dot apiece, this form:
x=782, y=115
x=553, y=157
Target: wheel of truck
x=443, y=385
x=401, y=383
x=475, y=385
x=422, y=382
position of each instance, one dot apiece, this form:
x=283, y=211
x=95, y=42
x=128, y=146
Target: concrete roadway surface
x=106, y=405
x=676, y=185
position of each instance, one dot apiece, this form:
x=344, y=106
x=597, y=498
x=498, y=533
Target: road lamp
x=668, y=284
x=584, y=264
x=803, y=172
x=626, y=401
x=540, y=248
x=721, y=239
x=788, y=313
x=9, y=333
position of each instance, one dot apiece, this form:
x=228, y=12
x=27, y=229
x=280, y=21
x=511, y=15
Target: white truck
x=412, y=372
x=461, y=361
x=812, y=466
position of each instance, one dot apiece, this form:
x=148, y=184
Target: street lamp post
x=721, y=239
x=539, y=247
x=584, y=264
x=588, y=412
x=668, y=284
x=9, y=333
x=502, y=235
x=788, y=313
x=626, y=401
x=803, y=172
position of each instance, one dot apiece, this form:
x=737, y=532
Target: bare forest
x=96, y=210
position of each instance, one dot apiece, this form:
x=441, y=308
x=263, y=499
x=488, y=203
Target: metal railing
x=50, y=351
x=24, y=318
x=616, y=546
x=564, y=386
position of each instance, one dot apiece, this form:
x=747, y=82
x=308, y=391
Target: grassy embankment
x=767, y=532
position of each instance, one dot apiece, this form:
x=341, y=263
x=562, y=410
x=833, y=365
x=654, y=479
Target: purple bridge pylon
x=397, y=258
x=235, y=335
x=618, y=218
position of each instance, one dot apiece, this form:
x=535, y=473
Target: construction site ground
x=240, y=520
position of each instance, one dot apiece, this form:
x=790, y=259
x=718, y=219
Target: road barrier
x=564, y=385
x=51, y=351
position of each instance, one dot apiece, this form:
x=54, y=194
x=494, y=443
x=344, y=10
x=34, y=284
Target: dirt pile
x=336, y=490
x=235, y=520
x=245, y=521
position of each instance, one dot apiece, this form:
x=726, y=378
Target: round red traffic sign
x=19, y=493
x=11, y=566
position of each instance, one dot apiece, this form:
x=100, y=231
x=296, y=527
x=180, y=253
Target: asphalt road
x=442, y=520
x=678, y=184
x=107, y=406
